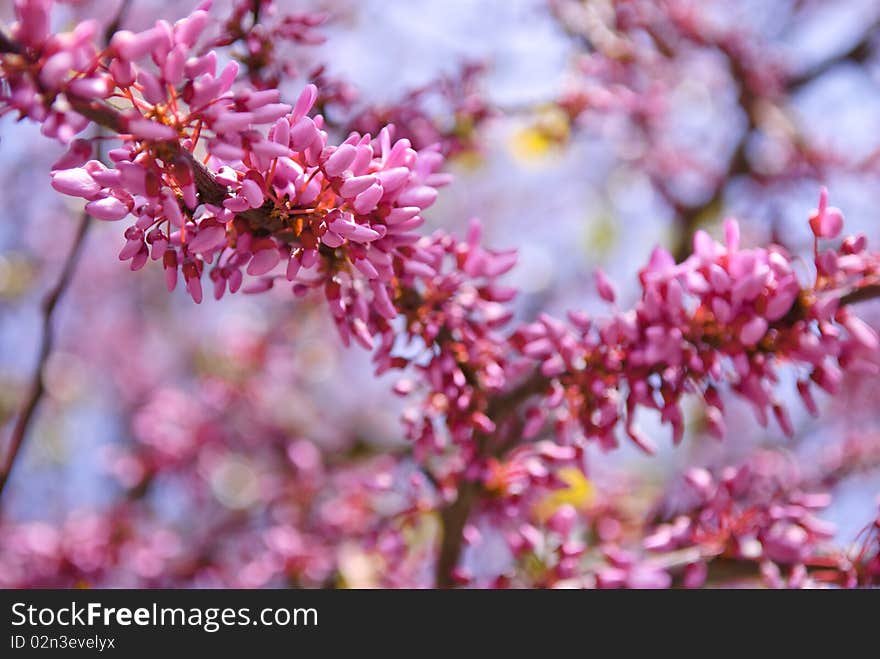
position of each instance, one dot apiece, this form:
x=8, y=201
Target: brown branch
x=50, y=302
x=37, y=385
x=7, y=45
x=689, y=217
x=210, y=191
x=861, y=294
x=858, y=53
x=114, y=25
x=726, y=571
x=454, y=515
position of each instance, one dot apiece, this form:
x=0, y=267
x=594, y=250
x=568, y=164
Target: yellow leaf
x=468, y=160
x=530, y=144
x=549, y=130
x=578, y=492
x=600, y=236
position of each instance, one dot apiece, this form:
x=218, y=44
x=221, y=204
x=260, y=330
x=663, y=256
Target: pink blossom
x=225, y=181
x=604, y=286
x=263, y=261
x=826, y=222
x=75, y=182
x=108, y=208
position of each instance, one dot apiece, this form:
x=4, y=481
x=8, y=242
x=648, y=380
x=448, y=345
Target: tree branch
x=689, y=217
x=50, y=302
x=455, y=514
x=861, y=294
x=37, y=385
x=858, y=53
x=114, y=25
x=7, y=45
x=209, y=189
x=454, y=518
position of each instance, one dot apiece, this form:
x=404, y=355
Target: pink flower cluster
x=454, y=309
x=85, y=548
x=256, y=29
x=317, y=518
x=39, y=68
x=740, y=525
x=224, y=181
x=334, y=216
x=725, y=314
x=276, y=204
x=746, y=515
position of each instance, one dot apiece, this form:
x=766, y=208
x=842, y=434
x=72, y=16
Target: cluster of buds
x=725, y=314
x=454, y=308
x=754, y=523
x=257, y=29
x=751, y=514
x=222, y=180
x=40, y=69
x=330, y=525
x=276, y=204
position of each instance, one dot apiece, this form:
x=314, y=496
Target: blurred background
x=192, y=445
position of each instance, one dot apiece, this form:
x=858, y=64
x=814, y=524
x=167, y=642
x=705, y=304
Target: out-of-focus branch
x=689, y=217
x=37, y=385
x=501, y=410
x=116, y=23
x=7, y=45
x=861, y=294
x=858, y=53
x=454, y=515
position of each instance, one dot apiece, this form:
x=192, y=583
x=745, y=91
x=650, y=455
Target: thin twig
x=857, y=53
x=861, y=294
x=116, y=23
x=37, y=385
